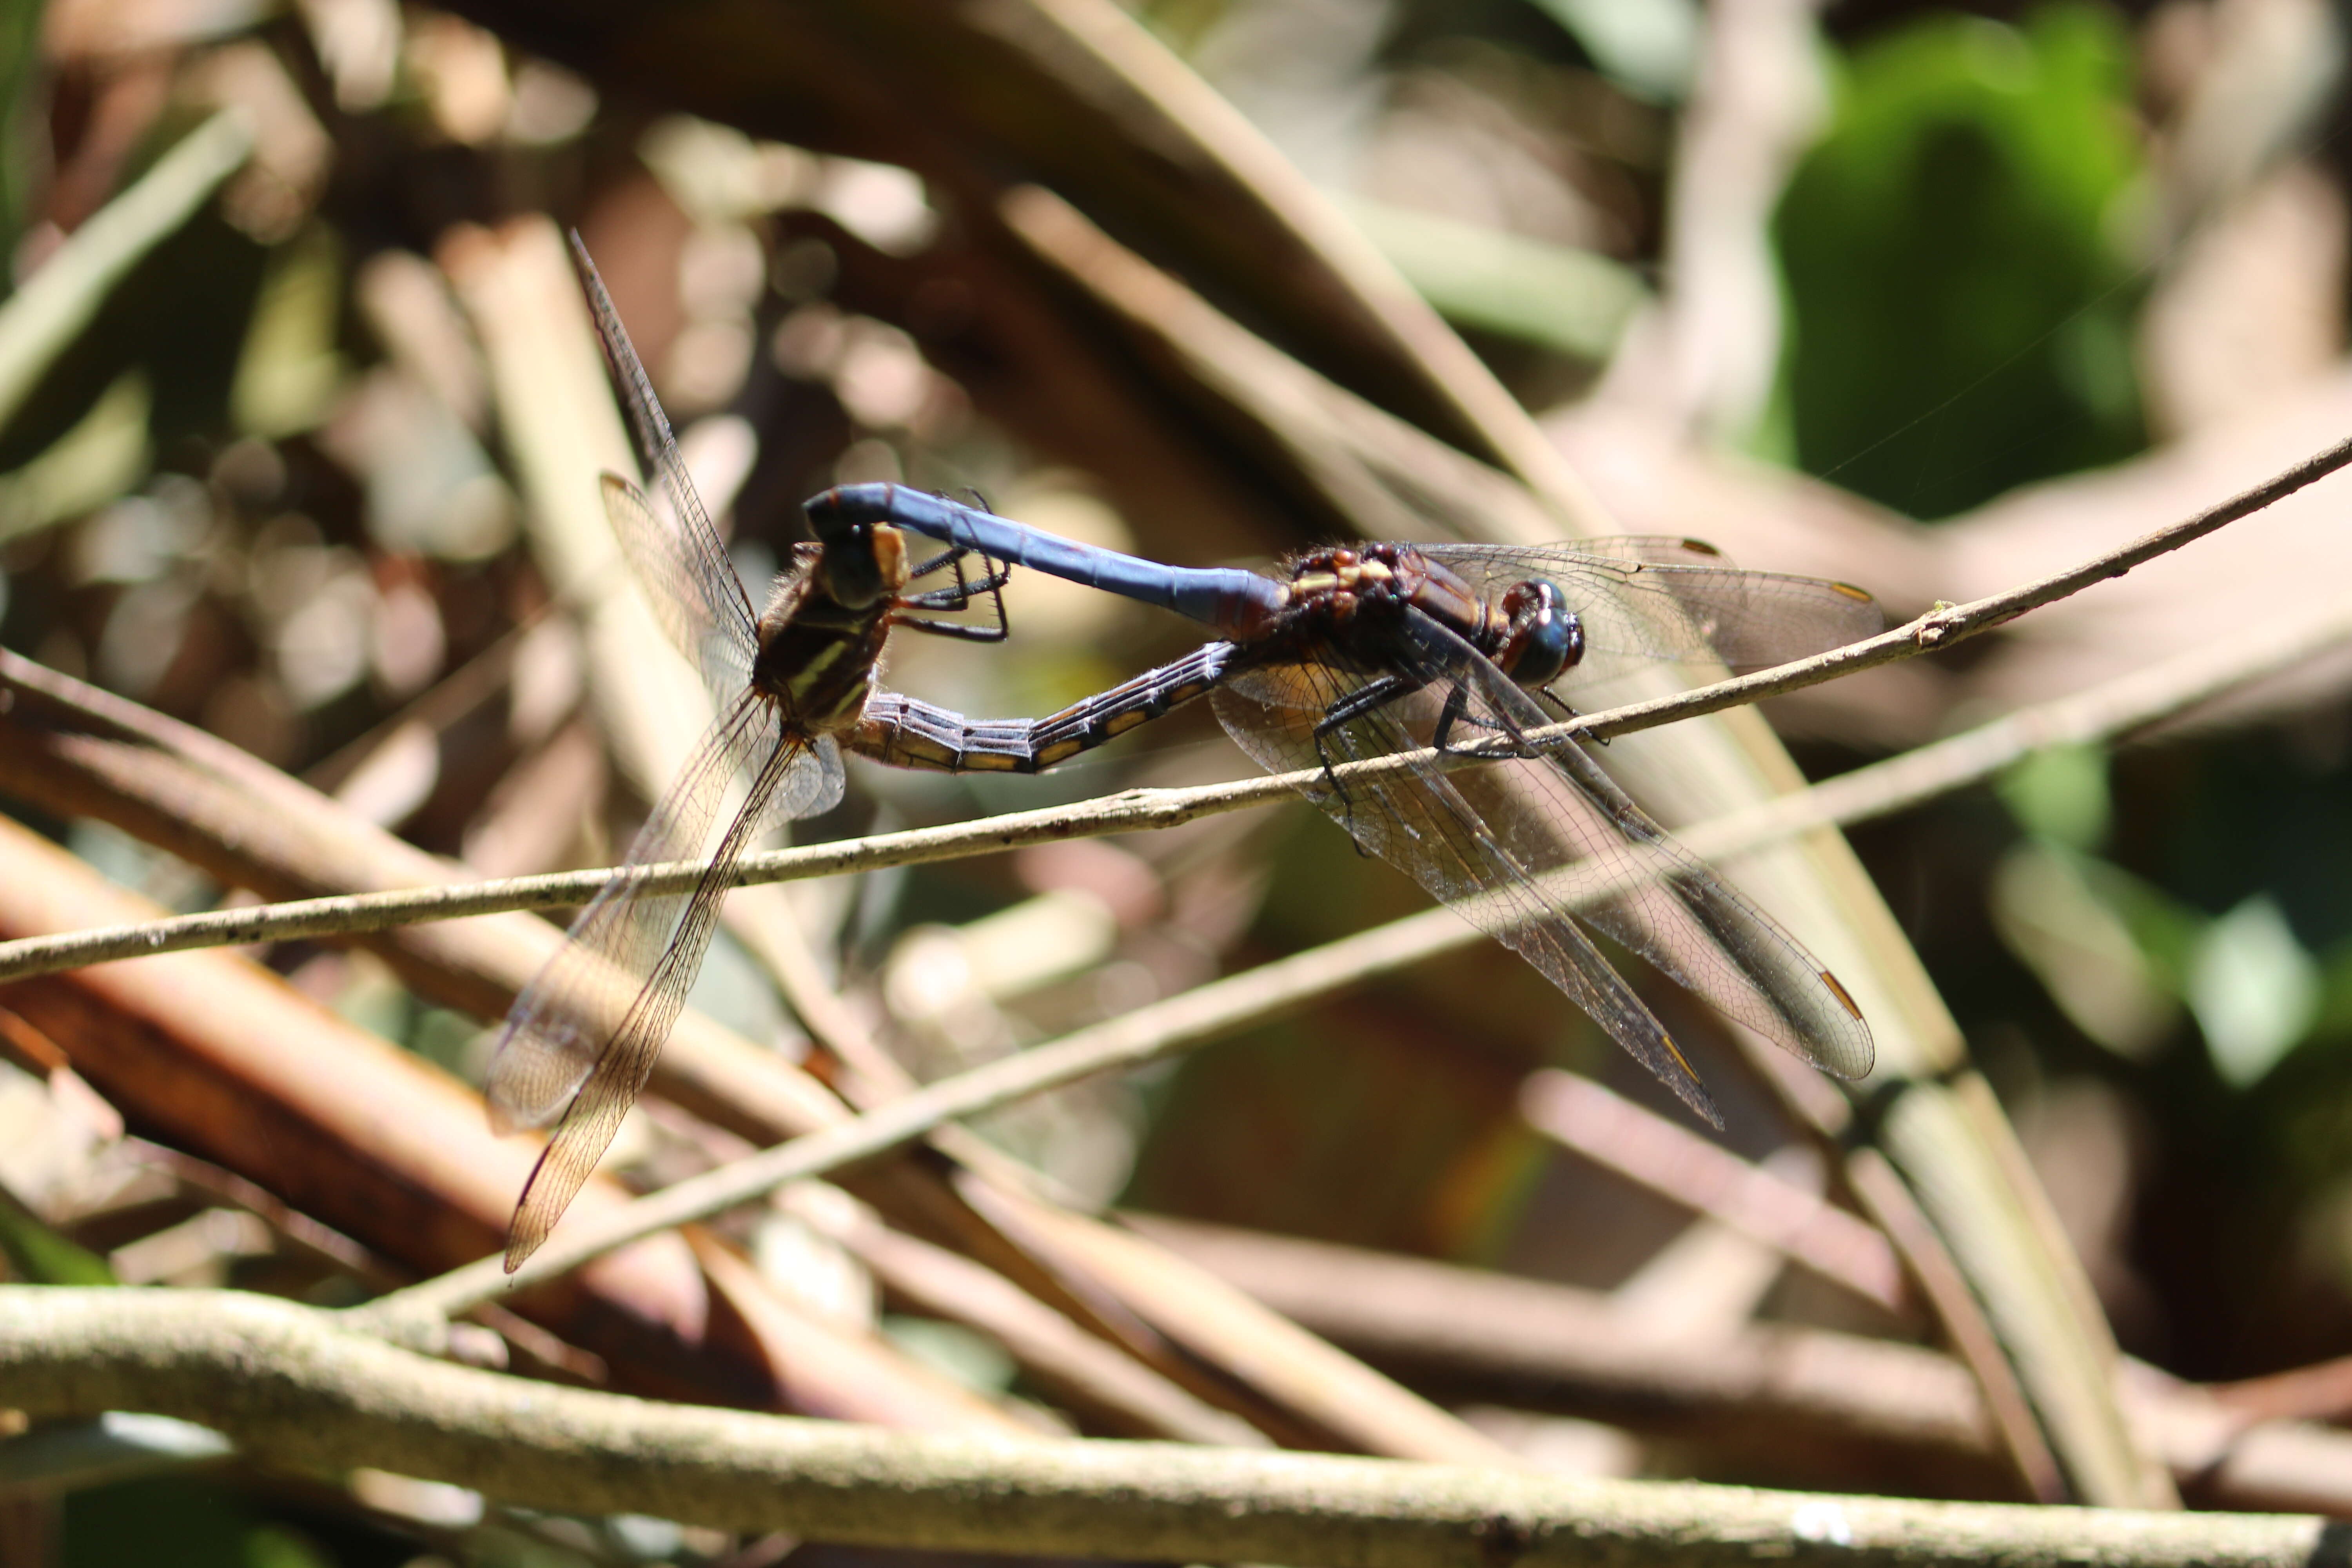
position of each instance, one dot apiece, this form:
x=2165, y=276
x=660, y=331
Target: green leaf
x=1960, y=314
x=47, y=314
x=2254, y=989
x=2061, y=794
x=2060, y=915
x=39, y=1256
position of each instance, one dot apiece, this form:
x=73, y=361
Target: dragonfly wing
x=1712, y=941
x=551, y=1036
x=1753, y=620
x=1647, y=599
x=713, y=629
x=1563, y=816
x=679, y=558
x=811, y=785
x=582, y=1039
x=1520, y=845
x=1429, y=826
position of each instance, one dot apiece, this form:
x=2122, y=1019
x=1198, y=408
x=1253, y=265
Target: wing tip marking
x=1845, y=997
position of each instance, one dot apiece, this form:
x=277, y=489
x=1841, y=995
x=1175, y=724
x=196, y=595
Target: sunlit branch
x=1134, y=811
x=295, y=1389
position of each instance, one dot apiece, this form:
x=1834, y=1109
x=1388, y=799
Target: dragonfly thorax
x=817, y=655
x=1529, y=633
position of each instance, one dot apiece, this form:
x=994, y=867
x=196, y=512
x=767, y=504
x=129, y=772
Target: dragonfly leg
x=994, y=586
x=1552, y=700
x=953, y=556
x=1368, y=698
x=1455, y=712
x=952, y=629
x=956, y=598
x=1346, y=801
x=962, y=592
x=1452, y=713
x=945, y=598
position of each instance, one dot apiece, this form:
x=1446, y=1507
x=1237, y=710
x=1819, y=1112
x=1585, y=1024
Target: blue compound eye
x=1546, y=637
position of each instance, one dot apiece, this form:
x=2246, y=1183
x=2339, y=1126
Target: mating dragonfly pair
x=1344, y=655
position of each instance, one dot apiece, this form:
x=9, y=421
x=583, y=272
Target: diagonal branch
x=1133, y=811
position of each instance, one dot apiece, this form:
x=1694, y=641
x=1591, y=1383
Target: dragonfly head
x=1542, y=636
x=865, y=557
x=865, y=563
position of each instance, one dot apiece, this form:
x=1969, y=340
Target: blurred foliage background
x=2008, y=283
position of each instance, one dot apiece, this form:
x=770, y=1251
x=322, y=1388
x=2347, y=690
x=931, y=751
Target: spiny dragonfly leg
x=994, y=584
x=953, y=556
x=1544, y=694
x=1368, y=698
x=956, y=598
x=996, y=633
x=1455, y=712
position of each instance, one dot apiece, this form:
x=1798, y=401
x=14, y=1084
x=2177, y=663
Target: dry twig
x=290, y=1385
x=1140, y=809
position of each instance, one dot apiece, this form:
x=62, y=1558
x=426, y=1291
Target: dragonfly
x=1390, y=650
x=791, y=681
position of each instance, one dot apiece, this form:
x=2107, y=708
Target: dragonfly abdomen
x=908, y=733
x=1235, y=601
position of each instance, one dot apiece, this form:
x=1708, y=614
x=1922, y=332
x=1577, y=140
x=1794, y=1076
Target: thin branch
x=1212, y=1010
x=2114, y=708
x=354, y=914
x=295, y=1387
x=1133, y=811
x=1129, y=1041
x=1944, y=627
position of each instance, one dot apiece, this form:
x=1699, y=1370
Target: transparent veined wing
x=1653, y=598
x=675, y=550
x=582, y=1039
x=712, y=625
x=1528, y=847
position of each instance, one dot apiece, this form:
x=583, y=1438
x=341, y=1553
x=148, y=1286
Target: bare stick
x=1810, y=1399
x=1133, y=811
x=292, y=1385
x=353, y=914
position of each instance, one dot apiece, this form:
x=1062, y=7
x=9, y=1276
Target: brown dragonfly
x=791, y=681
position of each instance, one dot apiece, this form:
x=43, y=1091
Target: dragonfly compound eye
x=1545, y=637
x=854, y=568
